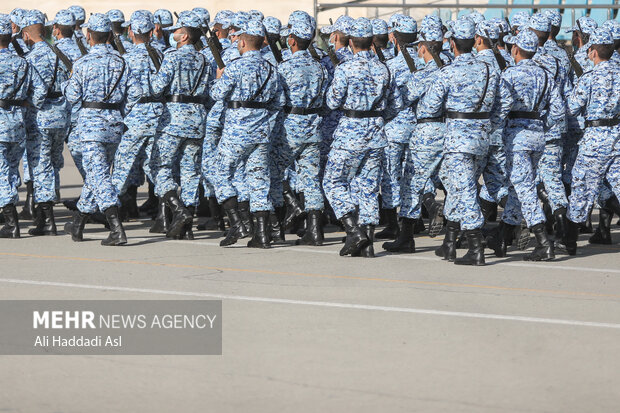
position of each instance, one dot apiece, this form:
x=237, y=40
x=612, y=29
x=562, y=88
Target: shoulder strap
x=383, y=90
x=320, y=86
x=199, y=78
x=542, y=95
x=484, y=91
x=22, y=81
x=259, y=91
x=118, y=81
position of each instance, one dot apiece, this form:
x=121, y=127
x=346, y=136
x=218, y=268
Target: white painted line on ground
x=574, y=323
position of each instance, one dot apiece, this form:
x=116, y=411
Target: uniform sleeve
x=394, y=100
x=164, y=77
x=415, y=88
x=432, y=101
x=134, y=90
x=578, y=98
x=503, y=102
x=337, y=92
x=37, y=88
x=557, y=107
x=225, y=85
x=73, y=87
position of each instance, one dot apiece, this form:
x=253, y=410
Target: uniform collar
x=251, y=53
x=365, y=54
x=464, y=57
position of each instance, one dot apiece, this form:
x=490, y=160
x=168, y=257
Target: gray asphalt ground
x=306, y=330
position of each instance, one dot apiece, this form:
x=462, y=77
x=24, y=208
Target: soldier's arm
x=557, y=107
x=578, y=98
x=337, y=92
x=225, y=85
x=434, y=98
x=73, y=88
x=38, y=88
x=394, y=100
x=504, y=100
x=415, y=88
x=164, y=77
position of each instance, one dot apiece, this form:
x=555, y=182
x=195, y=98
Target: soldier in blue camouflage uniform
x=466, y=89
x=99, y=83
x=118, y=28
x=504, y=30
x=17, y=83
x=137, y=141
x=296, y=140
x=380, y=37
x=495, y=188
x=80, y=17
x=162, y=19
x=425, y=146
x=363, y=89
x=17, y=23
x=250, y=89
x=46, y=128
x=183, y=81
x=397, y=130
x=529, y=103
x=272, y=28
x=614, y=28
x=596, y=95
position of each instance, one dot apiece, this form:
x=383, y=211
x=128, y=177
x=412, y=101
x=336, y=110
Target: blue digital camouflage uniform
x=46, y=128
x=529, y=88
x=16, y=83
x=296, y=140
x=494, y=163
x=143, y=119
x=247, y=131
x=597, y=96
x=184, y=72
x=460, y=87
x=426, y=144
x=17, y=15
x=100, y=77
x=352, y=173
x=399, y=129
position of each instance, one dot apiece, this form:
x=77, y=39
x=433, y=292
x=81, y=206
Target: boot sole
x=435, y=227
x=355, y=249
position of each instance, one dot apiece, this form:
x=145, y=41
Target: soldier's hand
x=219, y=72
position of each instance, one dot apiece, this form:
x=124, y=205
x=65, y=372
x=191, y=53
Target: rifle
x=330, y=52
x=153, y=55
x=274, y=48
x=118, y=43
x=17, y=47
x=509, y=26
x=501, y=62
x=408, y=59
x=214, y=45
x=61, y=56
x=378, y=52
x=313, y=52
x=573, y=62
x=81, y=46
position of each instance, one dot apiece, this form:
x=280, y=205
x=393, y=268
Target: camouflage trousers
x=550, y=174
x=39, y=148
x=420, y=166
x=132, y=157
x=496, y=183
x=10, y=154
x=253, y=159
x=98, y=190
x=171, y=153
x=209, y=150
x=588, y=175
x=392, y=173
x=303, y=160
x=352, y=179
x=459, y=174
x=522, y=197
x=73, y=143
x=57, y=145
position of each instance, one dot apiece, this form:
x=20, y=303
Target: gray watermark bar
x=111, y=327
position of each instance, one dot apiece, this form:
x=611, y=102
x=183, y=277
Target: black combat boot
x=586, y=227
x=117, y=232
x=161, y=225
x=391, y=229
x=356, y=238
x=447, y=250
x=571, y=234
x=435, y=214
x=152, y=202
x=501, y=238
x=237, y=229
x=475, y=253
x=11, y=222
x=543, y=251
x=76, y=228
x=44, y=220
x=246, y=216
x=369, y=250
x=405, y=241
x=522, y=235
x=544, y=198
x=314, y=229
x=71, y=204
x=188, y=232
x=181, y=216
x=28, y=211
x=488, y=209
x=293, y=208
x=602, y=235
x=262, y=231
x=419, y=227
x=203, y=209
x=216, y=220
x=277, y=224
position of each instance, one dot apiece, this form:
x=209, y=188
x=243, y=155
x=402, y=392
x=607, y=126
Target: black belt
x=101, y=105
x=439, y=119
x=301, y=111
x=237, y=104
x=362, y=114
x=53, y=95
x=150, y=99
x=602, y=122
x=518, y=114
x=468, y=115
x=198, y=100
x=11, y=103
